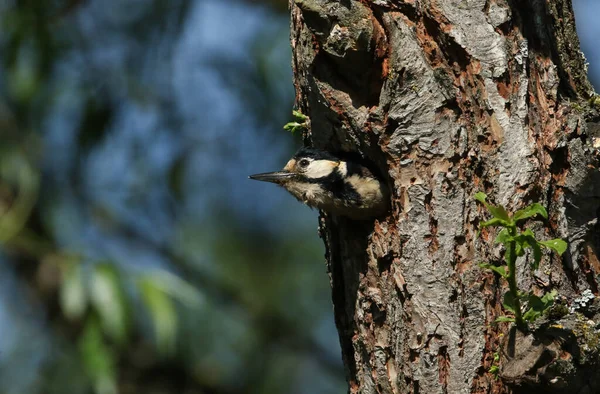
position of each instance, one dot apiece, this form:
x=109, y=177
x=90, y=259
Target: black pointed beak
x=274, y=177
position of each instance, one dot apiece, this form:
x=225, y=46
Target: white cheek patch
x=320, y=168
x=343, y=168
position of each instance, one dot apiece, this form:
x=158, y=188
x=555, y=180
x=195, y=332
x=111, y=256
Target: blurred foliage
x=135, y=258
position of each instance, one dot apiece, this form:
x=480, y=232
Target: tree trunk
x=448, y=98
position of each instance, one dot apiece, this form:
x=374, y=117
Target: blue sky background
x=586, y=15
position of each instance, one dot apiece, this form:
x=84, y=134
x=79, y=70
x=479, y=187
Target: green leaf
x=494, y=222
x=23, y=80
x=501, y=270
x=537, y=306
x=293, y=127
x=175, y=287
x=499, y=212
x=531, y=315
x=163, y=313
x=530, y=211
x=558, y=245
x=503, y=237
x=98, y=359
x=299, y=115
x=534, y=301
x=509, y=303
x=109, y=300
x=73, y=296
x=503, y=319
x=519, y=249
x=16, y=170
x=527, y=240
x=530, y=242
x=548, y=298
x=521, y=242
x=481, y=197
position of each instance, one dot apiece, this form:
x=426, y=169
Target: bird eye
x=304, y=163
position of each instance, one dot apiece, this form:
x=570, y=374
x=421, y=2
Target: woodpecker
x=324, y=181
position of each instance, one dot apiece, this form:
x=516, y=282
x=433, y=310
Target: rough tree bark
x=447, y=98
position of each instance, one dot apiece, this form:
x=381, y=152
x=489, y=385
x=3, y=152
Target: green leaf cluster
x=300, y=123
x=495, y=369
x=538, y=305
x=516, y=242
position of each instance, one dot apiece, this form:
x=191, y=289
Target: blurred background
x=136, y=256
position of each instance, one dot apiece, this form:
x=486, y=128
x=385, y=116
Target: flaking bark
x=449, y=98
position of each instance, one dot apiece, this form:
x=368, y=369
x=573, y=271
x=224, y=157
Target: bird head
x=324, y=181
x=306, y=165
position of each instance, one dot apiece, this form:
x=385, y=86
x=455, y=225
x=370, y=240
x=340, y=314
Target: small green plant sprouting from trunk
x=495, y=369
x=515, y=242
x=300, y=122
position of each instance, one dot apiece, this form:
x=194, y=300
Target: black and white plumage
x=325, y=181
